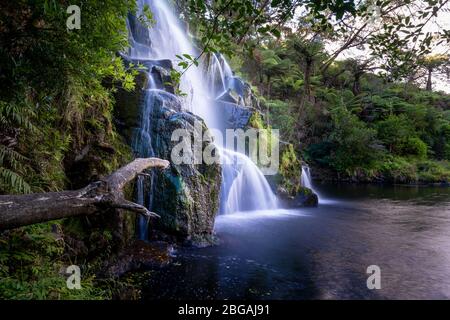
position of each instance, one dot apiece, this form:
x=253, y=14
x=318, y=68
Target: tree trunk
x=97, y=197
x=357, y=84
x=429, y=84
x=307, y=83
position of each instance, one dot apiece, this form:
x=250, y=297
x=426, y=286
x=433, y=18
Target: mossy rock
x=186, y=196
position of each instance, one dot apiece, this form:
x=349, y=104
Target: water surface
x=324, y=252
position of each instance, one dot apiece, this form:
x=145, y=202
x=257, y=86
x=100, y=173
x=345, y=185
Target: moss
x=256, y=121
x=289, y=169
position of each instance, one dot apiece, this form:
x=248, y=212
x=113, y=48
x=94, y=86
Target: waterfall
x=305, y=179
x=142, y=145
x=244, y=187
x=219, y=71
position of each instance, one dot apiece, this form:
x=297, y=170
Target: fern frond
x=11, y=156
x=14, y=181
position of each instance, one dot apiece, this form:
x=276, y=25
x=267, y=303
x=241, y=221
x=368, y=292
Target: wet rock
x=243, y=90
x=237, y=116
x=304, y=197
x=186, y=196
x=139, y=32
x=229, y=96
x=162, y=77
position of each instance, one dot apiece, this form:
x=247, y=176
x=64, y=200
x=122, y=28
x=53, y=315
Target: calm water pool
x=324, y=252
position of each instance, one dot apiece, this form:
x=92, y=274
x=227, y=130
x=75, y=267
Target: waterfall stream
x=305, y=179
x=244, y=187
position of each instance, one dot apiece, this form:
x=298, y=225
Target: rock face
x=186, y=196
x=243, y=90
x=138, y=32
x=237, y=116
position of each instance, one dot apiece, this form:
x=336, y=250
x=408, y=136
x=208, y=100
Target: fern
x=14, y=181
x=12, y=157
x=13, y=116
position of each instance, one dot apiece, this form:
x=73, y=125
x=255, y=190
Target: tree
x=357, y=68
x=433, y=64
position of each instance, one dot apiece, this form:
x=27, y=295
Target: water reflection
x=323, y=253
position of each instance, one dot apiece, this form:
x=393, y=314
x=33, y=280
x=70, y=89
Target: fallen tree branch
x=97, y=197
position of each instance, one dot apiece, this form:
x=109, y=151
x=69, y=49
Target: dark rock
x=128, y=107
x=186, y=196
x=237, y=116
x=162, y=77
x=305, y=197
x=138, y=31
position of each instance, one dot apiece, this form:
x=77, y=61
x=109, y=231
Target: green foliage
x=56, y=87
x=280, y=116
x=13, y=116
x=395, y=132
x=346, y=118
x=355, y=144
x=289, y=169
x=32, y=266
x=55, y=101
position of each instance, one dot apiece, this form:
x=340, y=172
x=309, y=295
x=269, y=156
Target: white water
x=244, y=187
x=219, y=69
x=305, y=179
x=142, y=146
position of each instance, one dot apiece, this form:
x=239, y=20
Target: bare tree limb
x=97, y=197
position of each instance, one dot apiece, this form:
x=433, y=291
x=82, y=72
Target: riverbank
x=427, y=173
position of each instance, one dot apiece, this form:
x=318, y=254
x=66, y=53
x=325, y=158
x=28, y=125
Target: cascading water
x=142, y=145
x=244, y=187
x=305, y=179
x=219, y=74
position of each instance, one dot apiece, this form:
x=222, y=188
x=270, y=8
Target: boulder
x=305, y=197
x=186, y=196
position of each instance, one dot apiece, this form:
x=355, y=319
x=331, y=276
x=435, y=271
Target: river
x=323, y=252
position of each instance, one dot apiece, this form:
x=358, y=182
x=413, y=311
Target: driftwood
x=97, y=197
